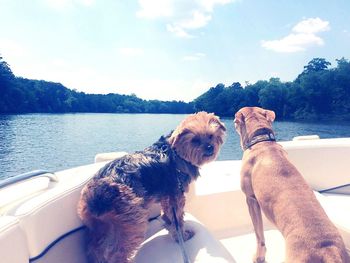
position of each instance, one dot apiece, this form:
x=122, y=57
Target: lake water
x=59, y=141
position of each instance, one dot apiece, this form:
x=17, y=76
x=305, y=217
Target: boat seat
x=337, y=207
x=50, y=221
x=13, y=242
x=51, y=215
x=159, y=247
x=316, y=161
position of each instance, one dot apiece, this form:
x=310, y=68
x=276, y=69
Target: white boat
x=39, y=222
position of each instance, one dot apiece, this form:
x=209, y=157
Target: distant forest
x=318, y=92
x=20, y=95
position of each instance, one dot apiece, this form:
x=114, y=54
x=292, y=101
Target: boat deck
x=226, y=233
x=39, y=221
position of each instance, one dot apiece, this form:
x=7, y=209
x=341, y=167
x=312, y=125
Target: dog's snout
x=209, y=150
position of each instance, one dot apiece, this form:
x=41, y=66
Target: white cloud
x=197, y=20
x=194, y=57
x=130, y=51
x=178, y=31
x=303, y=36
x=311, y=26
x=293, y=43
x=180, y=16
x=209, y=4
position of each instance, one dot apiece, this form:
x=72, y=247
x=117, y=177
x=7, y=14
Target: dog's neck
x=185, y=171
x=260, y=135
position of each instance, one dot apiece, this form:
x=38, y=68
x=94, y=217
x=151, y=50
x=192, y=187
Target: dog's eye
x=196, y=141
x=210, y=137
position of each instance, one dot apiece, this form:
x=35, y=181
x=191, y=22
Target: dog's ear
x=239, y=118
x=176, y=135
x=173, y=138
x=270, y=115
x=216, y=121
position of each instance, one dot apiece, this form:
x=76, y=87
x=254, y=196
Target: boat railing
x=29, y=175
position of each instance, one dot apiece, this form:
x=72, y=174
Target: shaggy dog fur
x=114, y=204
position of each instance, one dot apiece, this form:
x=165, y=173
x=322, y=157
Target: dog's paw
x=259, y=260
x=259, y=256
x=188, y=234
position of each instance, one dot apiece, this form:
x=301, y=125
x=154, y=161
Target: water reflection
x=7, y=136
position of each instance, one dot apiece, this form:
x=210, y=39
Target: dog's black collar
x=260, y=138
x=183, y=160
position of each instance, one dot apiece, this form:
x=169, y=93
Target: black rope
x=333, y=188
x=180, y=238
x=55, y=242
x=179, y=235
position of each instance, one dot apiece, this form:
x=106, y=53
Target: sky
x=169, y=49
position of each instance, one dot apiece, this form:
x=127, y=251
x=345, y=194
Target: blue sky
x=169, y=49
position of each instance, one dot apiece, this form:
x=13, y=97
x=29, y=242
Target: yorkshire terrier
x=114, y=204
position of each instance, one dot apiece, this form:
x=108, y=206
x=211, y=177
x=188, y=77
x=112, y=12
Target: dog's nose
x=209, y=150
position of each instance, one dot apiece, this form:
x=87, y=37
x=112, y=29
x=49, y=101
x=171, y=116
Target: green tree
x=11, y=97
x=6, y=75
x=207, y=100
x=316, y=65
x=340, y=87
x=319, y=91
x=273, y=97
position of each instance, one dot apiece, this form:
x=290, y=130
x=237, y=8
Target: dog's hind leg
x=116, y=220
x=115, y=238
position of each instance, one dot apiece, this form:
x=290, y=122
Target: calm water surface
x=60, y=141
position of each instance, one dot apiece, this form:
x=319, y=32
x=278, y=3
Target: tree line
x=318, y=92
x=21, y=95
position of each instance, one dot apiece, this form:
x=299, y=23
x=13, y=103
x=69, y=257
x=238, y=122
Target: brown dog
x=272, y=183
x=114, y=204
